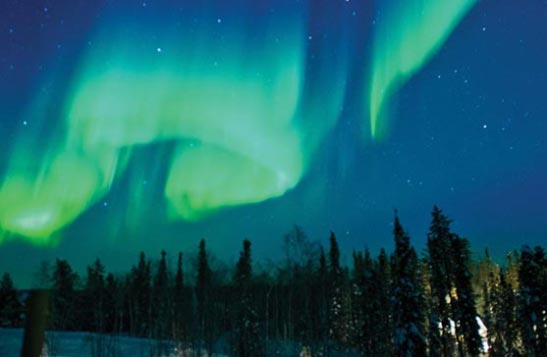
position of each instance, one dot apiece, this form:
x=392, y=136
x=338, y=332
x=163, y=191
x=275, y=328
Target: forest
x=443, y=301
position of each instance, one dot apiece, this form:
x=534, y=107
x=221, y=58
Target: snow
x=81, y=344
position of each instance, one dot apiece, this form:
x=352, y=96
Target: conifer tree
x=203, y=297
x=140, y=297
x=112, y=306
x=160, y=308
x=359, y=336
x=441, y=270
x=10, y=306
x=339, y=317
x=323, y=301
x=181, y=304
x=507, y=314
x=533, y=300
x=94, y=294
x=500, y=317
x=64, y=309
x=408, y=318
x=247, y=339
x=466, y=312
x=370, y=306
x=384, y=329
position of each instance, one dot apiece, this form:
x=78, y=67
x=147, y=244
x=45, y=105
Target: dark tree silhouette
x=203, y=297
x=139, y=299
x=466, y=312
x=64, y=308
x=161, y=306
x=533, y=300
x=246, y=335
x=408, y=315
x=441, y=271
x=94, y=296
x=10, y=306
x=310, y=304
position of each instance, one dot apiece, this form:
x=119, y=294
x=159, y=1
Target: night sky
x=147, y=125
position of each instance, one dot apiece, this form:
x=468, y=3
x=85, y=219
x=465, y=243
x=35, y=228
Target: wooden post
x=35, y=324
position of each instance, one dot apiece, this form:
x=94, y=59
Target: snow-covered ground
x=85, y=344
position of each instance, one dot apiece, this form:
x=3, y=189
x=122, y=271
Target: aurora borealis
x=408, y=35
x=231, y=103
x=126, y=120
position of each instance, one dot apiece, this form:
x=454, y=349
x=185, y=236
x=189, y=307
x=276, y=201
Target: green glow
x=52, y=198
x=233, y=108
x=408, y=35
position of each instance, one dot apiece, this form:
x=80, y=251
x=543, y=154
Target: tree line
x=438, y=303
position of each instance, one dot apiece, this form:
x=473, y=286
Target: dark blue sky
x=467, y=133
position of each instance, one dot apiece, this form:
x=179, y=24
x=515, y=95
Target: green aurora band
x=242, y=105
x=232, y=106
x=408, y=34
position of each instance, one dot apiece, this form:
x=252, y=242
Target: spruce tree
x=500, y=317
x=339, y=296
x=203, y=297
x=181, y=304
x=507, y=314
x=384, y=327
x=370, y=305
x=160, y=308
x=533, y=301
x=140, y=297
x=323, y=301
x=64, y=309
x=112, y=306
x=10, y=306
x=441, y=270
x=247, y=338
x=94, y=294
x=466, y=312
x=359, y=336
x=408, y=317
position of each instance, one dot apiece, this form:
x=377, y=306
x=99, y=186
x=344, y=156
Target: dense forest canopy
x=440, y=302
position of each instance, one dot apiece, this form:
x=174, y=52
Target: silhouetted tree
x=408, y=317
x=139, y=298
x=500, y=316
x=93, y=298
x=64, y=309
x=246, y=335
x=384, y=323
x=161, y=306
x=112, y=305
x=441, y=272
x=339, y=314
x=10, y=306
x=533, y=300
x=203, y=297
x=465, y=311
x=323, y=302
x=182, y=305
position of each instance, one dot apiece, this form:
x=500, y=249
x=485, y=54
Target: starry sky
x=147, y=125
